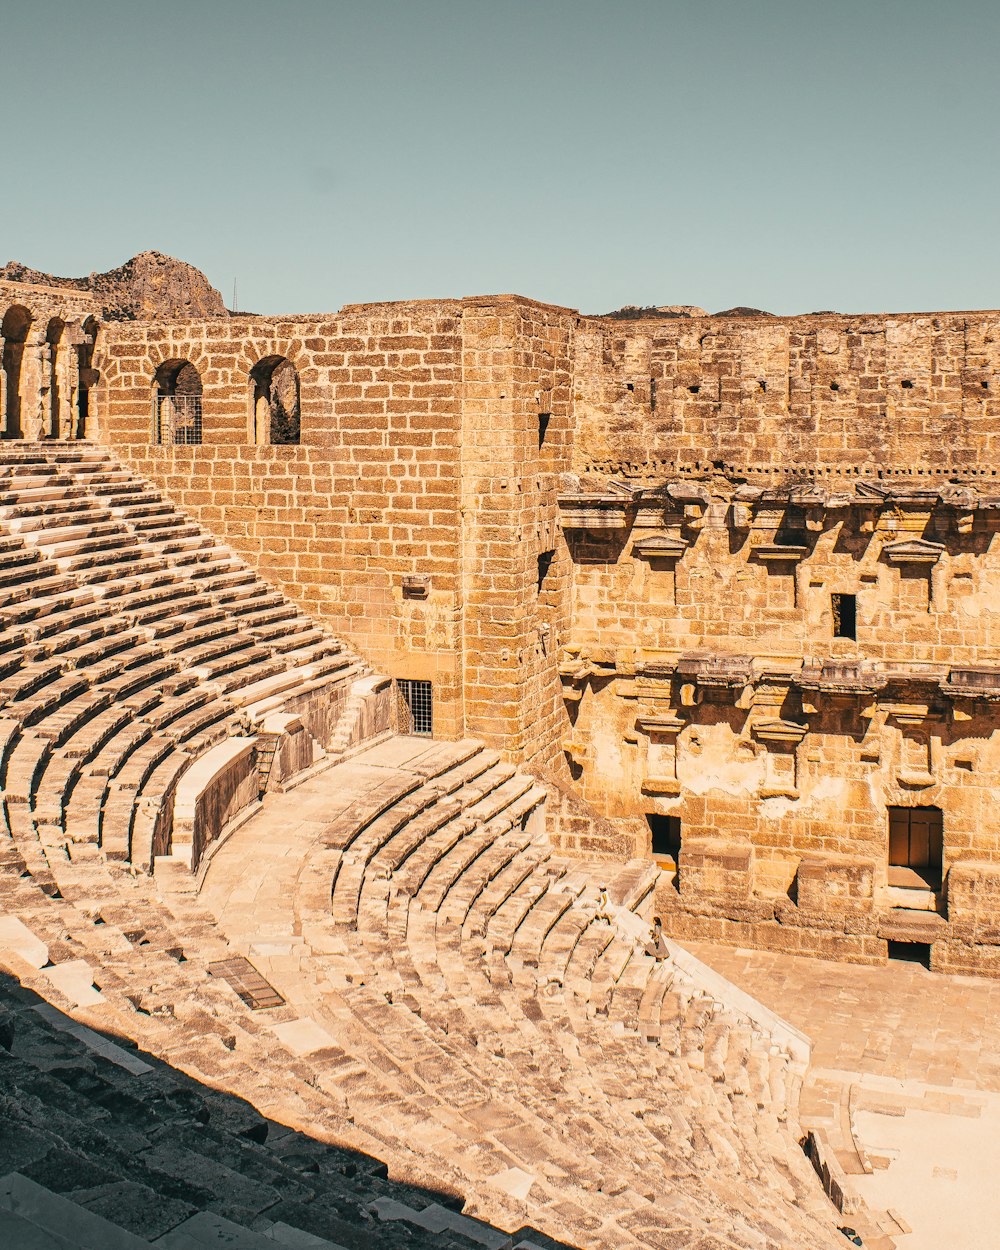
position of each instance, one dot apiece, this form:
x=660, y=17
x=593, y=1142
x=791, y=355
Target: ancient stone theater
x=387, y=696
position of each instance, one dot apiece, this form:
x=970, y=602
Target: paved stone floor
x=905, y=1080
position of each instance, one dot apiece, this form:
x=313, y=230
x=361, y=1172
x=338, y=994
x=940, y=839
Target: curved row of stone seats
x=109, y=953
x=523, y=931
x=107, y=1147
x=507, y=1011
x=133, y=643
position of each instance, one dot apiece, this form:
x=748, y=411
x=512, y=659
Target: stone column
x=33, y=388
x=515, y=568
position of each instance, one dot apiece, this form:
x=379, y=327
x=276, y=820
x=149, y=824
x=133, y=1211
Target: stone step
x=496, y=856
x=501, y=888
x=34, y=1218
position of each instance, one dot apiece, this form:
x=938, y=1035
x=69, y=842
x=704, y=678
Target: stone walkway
x=905, y=1081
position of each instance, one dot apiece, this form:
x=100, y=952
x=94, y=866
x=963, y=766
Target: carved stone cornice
x=595, y=512
x=912, y=551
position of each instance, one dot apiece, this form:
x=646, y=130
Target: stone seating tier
x=455, y=965
x=116, y=602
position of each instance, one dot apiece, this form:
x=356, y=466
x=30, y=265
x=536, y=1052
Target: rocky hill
x=146, y=287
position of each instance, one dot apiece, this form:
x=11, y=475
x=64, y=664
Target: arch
x=14, y=330
x=177, y=395
x=275, y=401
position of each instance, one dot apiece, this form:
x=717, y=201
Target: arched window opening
x=87, y=375
x=54, y=347
x=14, y=331
x=275, y=398
x=177, y=403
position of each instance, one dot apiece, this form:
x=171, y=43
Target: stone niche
x=836, y=884
x=711, y=868
x=661, y=753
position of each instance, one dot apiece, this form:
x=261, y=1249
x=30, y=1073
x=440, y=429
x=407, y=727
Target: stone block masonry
x=734, y=574
x=418, y=507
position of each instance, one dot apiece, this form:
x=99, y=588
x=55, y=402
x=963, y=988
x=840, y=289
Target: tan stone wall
x=751, y=393
x=368, y=498
x=517, y=365
x=418, y=461
x=739, y=474
x=672, y=643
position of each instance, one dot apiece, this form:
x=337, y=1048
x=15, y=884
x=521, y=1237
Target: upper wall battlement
x=752, y=395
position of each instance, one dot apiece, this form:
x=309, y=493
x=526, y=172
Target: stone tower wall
x=410, y=516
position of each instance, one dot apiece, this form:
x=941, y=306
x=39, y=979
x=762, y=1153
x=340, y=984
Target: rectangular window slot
x=543, y=426
x=544, y=564
x=845, y=616
x=416, y=708
x=916, y=846
x=416, y=587
x=911, y=952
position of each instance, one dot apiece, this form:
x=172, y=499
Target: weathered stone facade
x=634, y=555
x=46, y=339
x=785, y=620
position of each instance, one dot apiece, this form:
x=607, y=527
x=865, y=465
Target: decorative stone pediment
x=660, y=547
x=907, y=713
x=778, y=553
x=780, y=739
x=912, y=551
x=779, y=732
x=665, y=725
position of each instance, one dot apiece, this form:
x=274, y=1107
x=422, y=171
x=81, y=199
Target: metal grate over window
x=416, y=707
x=177, y=419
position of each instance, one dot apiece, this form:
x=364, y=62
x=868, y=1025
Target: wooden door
x=916, y=837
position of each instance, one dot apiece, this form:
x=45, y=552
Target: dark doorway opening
x=911, y=952
x=916, y=847
x=665, y=836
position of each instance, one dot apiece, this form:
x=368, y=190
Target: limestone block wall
x=735, y=481
x=516, y=435
x=417, y=515
x=828, y=393
x=366, y=500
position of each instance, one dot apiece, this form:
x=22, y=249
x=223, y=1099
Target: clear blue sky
x=793, y=155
